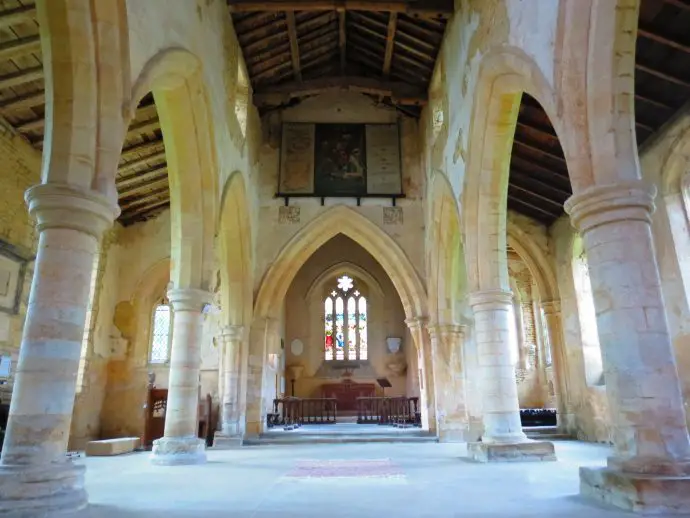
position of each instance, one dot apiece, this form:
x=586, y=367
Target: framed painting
x=340, y=163
x=297, y=159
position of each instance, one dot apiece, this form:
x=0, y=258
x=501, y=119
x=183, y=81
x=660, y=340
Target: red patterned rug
x=358, y=468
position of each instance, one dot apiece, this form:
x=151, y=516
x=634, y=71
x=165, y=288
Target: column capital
x=602, y=204
x=231, y=333
x=416, y=323
x=439, y=330
x=189, y=299
x=486, y=300
x=551, y=307
x=59, y=205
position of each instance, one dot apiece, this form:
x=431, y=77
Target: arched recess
x=503, y=77
x=338, y=269
x=85, y=60
x=535, y=259
x=234, y=235
x=340, y=220
x=175, y=78
x=447, y=278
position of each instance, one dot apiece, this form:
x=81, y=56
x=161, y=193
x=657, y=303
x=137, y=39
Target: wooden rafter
x=23, y=102
x=132, y=152
x=129, y=166
x=536, y=196
x=144, y=126
x=16, y=48
x=662, y=75
x=19, y=15
x=652, y=102
x=527, y=164
x=679, y=3
x=547, y=213
x=524, y=179
x=401, y=92
x=646, y=33
x=132, y=216
x=390, y=45
x=536, y=149
x=294, y=44
x=342, y=40
x=33, y=125
x=140, y=181
x=427, y=8
x=21, y=77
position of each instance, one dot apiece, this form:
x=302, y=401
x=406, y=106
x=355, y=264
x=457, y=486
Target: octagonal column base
x=641, y=493
x=522, y=451
x=173, y=451
x=41, y=490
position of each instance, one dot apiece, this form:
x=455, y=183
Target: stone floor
x=343, y=480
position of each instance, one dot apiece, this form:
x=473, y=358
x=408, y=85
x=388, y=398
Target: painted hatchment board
x=384, y=172
x=297, y=159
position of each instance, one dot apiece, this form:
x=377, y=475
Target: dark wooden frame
x=22, y=258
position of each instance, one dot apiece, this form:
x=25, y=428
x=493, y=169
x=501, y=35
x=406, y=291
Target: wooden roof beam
x=399, y=92
x=294, y=44
x=21, y=14
x=144, y=127
x=132, y=152
x=538, y=150
x=33, y=125
x=148, y=181
x=427, y=8
x=21, y=77
x=534, y=195
x=528, y=164
x=662, y=75
x=21, y=47
x=129, y=166
x=390, y=43
x=652, y=102
x=23, y=102
x=162, y=193
x=648, y=34
x=342, y=40
x=527, y=179
x=532, y=207
x=133, y=179
x=130, y=217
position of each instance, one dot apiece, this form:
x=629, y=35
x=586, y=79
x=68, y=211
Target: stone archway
x=267, y=308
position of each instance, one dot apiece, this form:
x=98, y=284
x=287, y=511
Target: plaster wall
x=304, y=318
x=274, y=231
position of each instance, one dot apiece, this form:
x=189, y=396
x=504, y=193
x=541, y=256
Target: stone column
x=651, y=463
x=36, y=477
x=231, y=341
x=427, y=391
x=554, y=327
x=503, y=437
x=449, y=381
x=262, y=332
x=180, y=443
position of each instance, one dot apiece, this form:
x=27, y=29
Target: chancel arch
x=268, y=308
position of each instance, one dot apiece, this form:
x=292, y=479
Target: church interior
x=344, y=258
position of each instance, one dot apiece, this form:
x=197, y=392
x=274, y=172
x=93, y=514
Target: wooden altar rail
x=398, y=411
x=293, y=412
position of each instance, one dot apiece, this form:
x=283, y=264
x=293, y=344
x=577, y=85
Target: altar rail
x=293, y=412
x=397, y=411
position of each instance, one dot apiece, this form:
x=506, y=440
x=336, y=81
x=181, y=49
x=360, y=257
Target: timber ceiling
x=385, y=50
x=539, y=183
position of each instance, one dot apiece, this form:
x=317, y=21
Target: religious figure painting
x=340, y=165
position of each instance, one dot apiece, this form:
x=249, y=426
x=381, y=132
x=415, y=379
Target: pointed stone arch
x=341, y=220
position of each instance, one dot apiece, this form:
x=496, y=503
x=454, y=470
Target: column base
x=643, y=493
x=39, y=490
x=452, y=434
x=172, y=451
x=511, y=452
x=223, y=441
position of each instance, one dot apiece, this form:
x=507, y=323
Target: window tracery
x=345, y=322
x=161, y=333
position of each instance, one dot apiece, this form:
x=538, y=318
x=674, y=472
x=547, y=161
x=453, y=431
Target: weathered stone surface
x=511, y=452
x=110, y=447
x=173, y=451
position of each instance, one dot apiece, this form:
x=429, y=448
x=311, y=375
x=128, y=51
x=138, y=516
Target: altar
x=346, y=394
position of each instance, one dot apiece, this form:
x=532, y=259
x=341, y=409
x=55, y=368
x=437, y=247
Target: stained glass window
x=160, y=336
x=345, y=322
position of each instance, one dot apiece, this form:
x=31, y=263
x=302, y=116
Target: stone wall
x=304, y=307
x=20, y=168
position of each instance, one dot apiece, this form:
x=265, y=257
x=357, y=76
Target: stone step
x=546, y=433
x=109, y=447
x=335, y=438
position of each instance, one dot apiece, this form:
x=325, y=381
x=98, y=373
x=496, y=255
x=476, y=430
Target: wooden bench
x=110, y=447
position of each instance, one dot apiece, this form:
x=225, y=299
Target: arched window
x=345, y=322
x=161, y=333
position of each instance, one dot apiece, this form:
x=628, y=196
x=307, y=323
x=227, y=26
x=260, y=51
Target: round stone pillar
x=503, y=438
x=449, y=381
x=426, y=376
x=651, y=460
x=554, y=327
x=36, y=477
x=180, y=443
x=232, y=338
